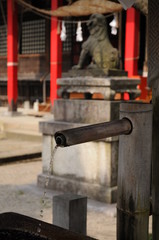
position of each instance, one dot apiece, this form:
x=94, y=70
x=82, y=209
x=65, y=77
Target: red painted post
x=132, y=42
x=55, y=54
x=12, y=45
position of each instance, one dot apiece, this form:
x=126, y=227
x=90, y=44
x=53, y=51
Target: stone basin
x=14, y=226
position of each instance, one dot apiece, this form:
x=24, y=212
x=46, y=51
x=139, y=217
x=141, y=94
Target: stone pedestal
x=88, y=169
x=107, y=86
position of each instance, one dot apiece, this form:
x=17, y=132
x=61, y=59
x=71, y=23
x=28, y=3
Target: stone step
x=18, y=150
x=23, y=135
x=20, y=138
x=20, y=123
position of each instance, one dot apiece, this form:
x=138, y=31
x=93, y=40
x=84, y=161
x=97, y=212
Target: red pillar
x=12, y=45
x=55, y=54
x=132, y=42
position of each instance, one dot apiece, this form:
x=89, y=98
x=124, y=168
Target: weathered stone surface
x=93, y=191
x=90, y=162
x=85, y=111
x=94, y=73
x=70, y=212
x=107, y=86
x=89, y=168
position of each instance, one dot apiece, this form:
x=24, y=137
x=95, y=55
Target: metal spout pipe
x=93, y=132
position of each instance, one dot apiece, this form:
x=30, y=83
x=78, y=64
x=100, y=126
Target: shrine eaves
x=127, y=3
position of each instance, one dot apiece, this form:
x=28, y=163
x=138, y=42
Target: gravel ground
x=19, y=193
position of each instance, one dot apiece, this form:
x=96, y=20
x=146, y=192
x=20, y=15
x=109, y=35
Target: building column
x=12, y=55
x=55, y=54
x=132, y=42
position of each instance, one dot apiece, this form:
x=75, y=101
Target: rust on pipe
x=93, y=132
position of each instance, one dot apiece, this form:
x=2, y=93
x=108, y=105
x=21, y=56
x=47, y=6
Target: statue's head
x=96, y=24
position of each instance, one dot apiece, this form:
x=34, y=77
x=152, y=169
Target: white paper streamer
x=63, y=32
x=114, y=25
x=114, y=31
x=79, y=37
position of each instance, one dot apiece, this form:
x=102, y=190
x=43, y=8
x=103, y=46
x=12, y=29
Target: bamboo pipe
x=93, y=132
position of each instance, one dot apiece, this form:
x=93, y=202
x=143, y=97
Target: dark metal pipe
x=93, y=132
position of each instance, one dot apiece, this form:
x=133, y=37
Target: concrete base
x=93, y=191
x=88, y=169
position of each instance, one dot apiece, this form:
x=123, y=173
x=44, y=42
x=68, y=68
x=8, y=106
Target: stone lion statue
x=98, y=46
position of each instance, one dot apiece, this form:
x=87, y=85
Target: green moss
x=150, y=236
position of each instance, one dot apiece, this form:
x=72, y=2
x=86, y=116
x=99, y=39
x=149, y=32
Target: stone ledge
x=92, y=191
x=108, y=86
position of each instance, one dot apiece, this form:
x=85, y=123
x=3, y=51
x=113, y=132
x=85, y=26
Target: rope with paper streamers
x=79, y=37
x=48, y=14
x=114, y=24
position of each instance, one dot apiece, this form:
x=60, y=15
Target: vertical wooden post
x=132, y=42
x=12, y=45
x=55, y=54
x=134, y=173
x=153, y=81
x=145, y=65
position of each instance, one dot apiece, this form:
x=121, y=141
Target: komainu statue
x=98, y=46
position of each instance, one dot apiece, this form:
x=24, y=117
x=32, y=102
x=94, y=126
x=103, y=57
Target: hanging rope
x=48, y=14
x=38, y=11
x=3, y=14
